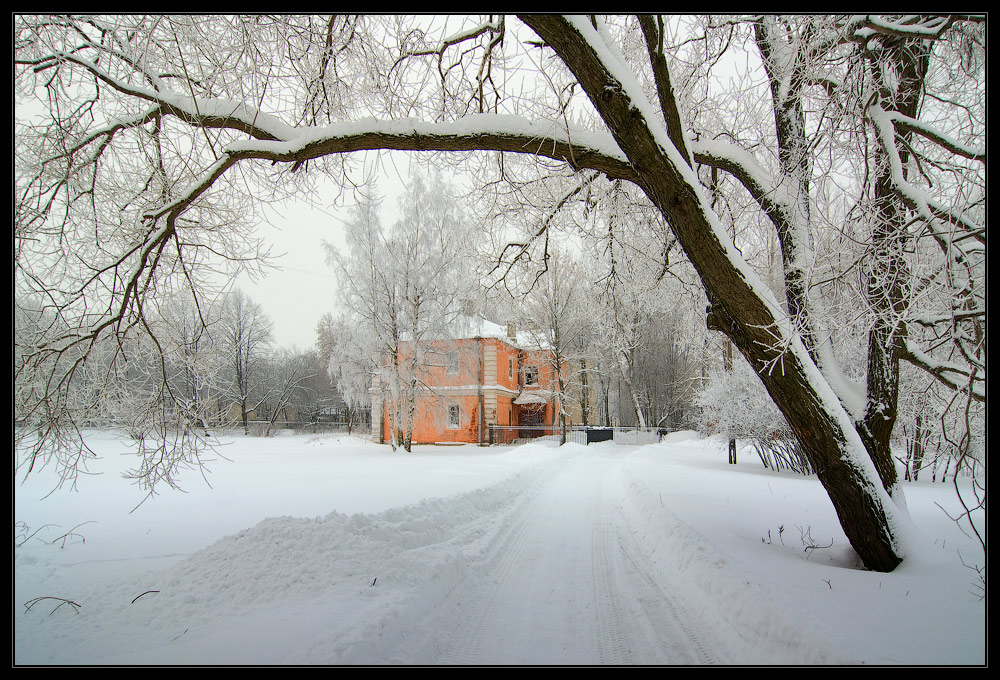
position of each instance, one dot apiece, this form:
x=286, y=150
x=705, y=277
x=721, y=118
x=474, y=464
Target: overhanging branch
x=946, y=373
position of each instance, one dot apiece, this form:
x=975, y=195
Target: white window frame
x=457, y=410
x=452, y=362
x=531, y=371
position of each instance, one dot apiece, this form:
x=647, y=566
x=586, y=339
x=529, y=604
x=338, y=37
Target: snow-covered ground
x=333, y=550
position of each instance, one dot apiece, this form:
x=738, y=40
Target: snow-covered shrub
x=734, y=404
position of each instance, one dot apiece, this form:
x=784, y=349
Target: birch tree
x=366, y=329
x=558, y=324
x=160, y=134
x=403, y=285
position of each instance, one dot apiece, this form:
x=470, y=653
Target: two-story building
x=485, y=376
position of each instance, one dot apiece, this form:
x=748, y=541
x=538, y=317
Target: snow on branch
x=738, y=162
x=492, y=132
x=460, y=37
x=905, y=26
x=930, y=320
x=945, y=372
x=907, y=124
x=928, y=208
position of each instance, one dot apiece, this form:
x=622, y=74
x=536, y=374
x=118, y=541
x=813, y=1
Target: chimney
x=512, y=330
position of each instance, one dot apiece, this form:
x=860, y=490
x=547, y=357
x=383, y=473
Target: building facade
x=487, y=378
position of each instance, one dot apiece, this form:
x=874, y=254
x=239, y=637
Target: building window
x=452, y=362
x=454, y=416
x=510, y=369
x=530, y=375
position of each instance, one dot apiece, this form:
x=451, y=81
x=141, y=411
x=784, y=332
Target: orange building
x=488, y=377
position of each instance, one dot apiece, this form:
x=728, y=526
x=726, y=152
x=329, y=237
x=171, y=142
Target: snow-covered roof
x=466, y=326
x=530, y=398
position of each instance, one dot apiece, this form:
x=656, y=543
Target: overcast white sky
x=301, y=287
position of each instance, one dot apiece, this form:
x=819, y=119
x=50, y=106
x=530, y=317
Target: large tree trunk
x=740, y=304
x=824, y=433
x=886, y=270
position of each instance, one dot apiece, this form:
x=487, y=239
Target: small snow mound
x=680, y=436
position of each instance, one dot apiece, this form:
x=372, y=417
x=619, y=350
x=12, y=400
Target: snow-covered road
x=562, y=580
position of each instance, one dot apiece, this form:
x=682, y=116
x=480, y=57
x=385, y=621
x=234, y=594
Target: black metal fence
x=516, y=434
x=261, y=428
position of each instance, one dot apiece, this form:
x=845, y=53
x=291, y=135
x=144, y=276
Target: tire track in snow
x=650, y=625
x=609, y=621
x=663, y=617
x=564, y=581
x=477, y=634
x=532, y=603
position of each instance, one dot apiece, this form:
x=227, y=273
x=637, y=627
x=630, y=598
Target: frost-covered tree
x=196, y=366
x=144, y=144
x=401, y=289
x=244, y=337
x=286, y=373
x=319, y=397
x=671, y=364
x=557, y=321
x=365, y=328
x=735, y=405
x=347, y=354
x=630, y=289
x=644, y=291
